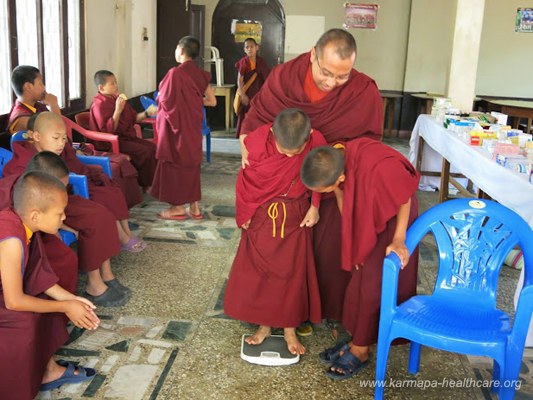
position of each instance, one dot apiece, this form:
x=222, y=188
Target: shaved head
x=322, y=167
x=45, y=120
x=343, y=42
x=36, y=190
x=49, y=162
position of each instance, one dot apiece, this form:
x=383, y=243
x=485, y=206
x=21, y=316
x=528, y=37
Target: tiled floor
x=172, y=340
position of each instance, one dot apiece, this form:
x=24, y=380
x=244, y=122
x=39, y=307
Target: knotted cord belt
x=273, y=214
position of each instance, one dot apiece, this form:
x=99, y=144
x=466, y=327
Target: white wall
x=114, y=42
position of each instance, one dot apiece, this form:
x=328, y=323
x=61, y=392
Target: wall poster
x=360, y=15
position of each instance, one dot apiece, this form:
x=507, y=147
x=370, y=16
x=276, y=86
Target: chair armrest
x=79, y=184
x=104, y=162
x=103, y=137
x=389, y=287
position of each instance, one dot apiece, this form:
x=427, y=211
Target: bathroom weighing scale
x=272, y=352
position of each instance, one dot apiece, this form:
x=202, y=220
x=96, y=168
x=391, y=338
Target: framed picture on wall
x=360, y=15
x=524, y=20
x=244, y=29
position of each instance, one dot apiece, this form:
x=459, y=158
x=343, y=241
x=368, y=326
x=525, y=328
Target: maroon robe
x=141, y=152
x=179, y=127
x=95, y=223
x=350, y=111
x=28, y=339
x=273, y=279
x=20, y=109
x=378, y=181
x=62, y=258
x=244, y=68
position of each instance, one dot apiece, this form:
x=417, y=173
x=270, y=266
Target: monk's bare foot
x=52, y=372
x=294, y=345
x=259, y=336
x=194, y=208
x=176, y=211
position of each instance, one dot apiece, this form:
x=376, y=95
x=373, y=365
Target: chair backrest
x=156, y=93
x=205, y=128
x=147, y=102
x=5, y=156
x=17, y=137
x=473, y=238
x=82, y=119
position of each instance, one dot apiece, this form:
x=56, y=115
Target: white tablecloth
x=504, y=185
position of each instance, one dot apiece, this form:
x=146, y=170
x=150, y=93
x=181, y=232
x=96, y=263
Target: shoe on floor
x=110, y=298
x=70, y=376
x=119, y=287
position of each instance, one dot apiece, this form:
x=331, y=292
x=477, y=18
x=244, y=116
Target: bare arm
x=51, y=101
x=81, y=313
x=398, y=241
x=209, y=97
x=119, y=107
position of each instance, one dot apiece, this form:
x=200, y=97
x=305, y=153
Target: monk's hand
x=245, y=100
x=311, y=218
x=49, y=99
x=246, y=225
x=81, y=314
x=151, y=110
x=120, y=103
x=398, y=246
x=244, y=152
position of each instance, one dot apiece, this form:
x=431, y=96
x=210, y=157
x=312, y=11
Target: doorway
x=235, y=20
x=198, y=30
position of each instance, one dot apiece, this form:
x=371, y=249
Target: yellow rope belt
x=273, y=214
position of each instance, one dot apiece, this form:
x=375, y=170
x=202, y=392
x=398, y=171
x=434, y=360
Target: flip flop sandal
x=134, y=245
x=196, y=216
x=332, y=354
x=177, y=217
x=348, y=364
x=69, y=376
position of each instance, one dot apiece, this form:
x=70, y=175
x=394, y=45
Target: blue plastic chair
x=147, y=102
x=81, y=188
x=5, y=156
x=206, y=131
x=104, y=162
x=473, y=238
x=156, y=93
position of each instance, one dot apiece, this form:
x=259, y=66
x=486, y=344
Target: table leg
x=227, y=100
x=420, y=153
x=391, y=116
x=444, y=180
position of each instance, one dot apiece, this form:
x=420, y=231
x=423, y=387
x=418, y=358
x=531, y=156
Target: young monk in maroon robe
x=273, y=279
x=182, y=93
x=62, y=258
x=27, y=83
x=378, y=203
x=252, y=72
x=32, y=304
x=95, y=221
x=111, y=113
x=344, y=104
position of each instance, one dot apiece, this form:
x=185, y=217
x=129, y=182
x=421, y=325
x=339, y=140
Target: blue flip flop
x=332, y=354
x=348, y=364
x=69, y=376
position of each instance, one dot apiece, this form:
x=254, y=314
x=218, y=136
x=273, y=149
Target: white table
x=503, y=185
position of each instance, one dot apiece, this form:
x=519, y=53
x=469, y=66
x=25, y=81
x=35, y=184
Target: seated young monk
x=111, y=113
x=32, y=304
x=97, y=225
x=273, y=279
x=183, y=92
x=27, y=83
x=62, y=258
x=378, y=203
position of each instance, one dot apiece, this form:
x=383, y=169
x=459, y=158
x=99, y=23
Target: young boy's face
x=328, y=189
x=50, y=221
x=110, y=87
x=36, y=91
x=53, y=138
x=250, y=48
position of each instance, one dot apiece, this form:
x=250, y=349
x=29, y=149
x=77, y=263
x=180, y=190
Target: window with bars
x=47, y=34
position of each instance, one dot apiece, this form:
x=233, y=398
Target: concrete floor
x=172, y=340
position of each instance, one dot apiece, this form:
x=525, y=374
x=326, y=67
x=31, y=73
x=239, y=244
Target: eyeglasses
x=328, y=75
